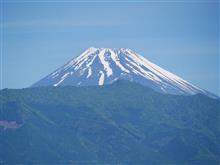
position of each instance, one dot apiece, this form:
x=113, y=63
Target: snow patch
x=142, y=72
x=101, y=78
x=89, y=72
x=115, y=58
x=62, y=79
x=171, y=78
x=105, y=64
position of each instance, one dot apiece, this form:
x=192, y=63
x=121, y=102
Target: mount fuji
x=153, y=117
x=100, y=66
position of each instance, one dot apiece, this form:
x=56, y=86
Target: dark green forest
x=122, y=123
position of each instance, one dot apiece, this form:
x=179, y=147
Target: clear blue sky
x=38, y=37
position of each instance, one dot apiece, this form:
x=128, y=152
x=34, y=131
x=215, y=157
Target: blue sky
x=38, y=37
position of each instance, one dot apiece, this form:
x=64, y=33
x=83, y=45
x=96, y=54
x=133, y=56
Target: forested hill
x=119, y=123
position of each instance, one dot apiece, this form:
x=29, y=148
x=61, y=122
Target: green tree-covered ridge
x=119, y=123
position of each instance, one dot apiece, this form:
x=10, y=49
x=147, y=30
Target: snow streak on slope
x=105, y=63
x=102, y=78
x=115, y=58
x=99, y=66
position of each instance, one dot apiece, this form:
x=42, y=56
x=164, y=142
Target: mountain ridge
x=123, y=122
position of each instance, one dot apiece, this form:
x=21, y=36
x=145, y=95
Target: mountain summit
x=100, y=66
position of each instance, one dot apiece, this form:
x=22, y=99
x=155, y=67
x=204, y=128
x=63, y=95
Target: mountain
x=100, y=66
x=120, y=123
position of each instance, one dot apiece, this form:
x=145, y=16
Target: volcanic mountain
x=128, y=121
x=100, y=66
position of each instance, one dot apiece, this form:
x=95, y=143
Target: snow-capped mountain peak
x=100, y=66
